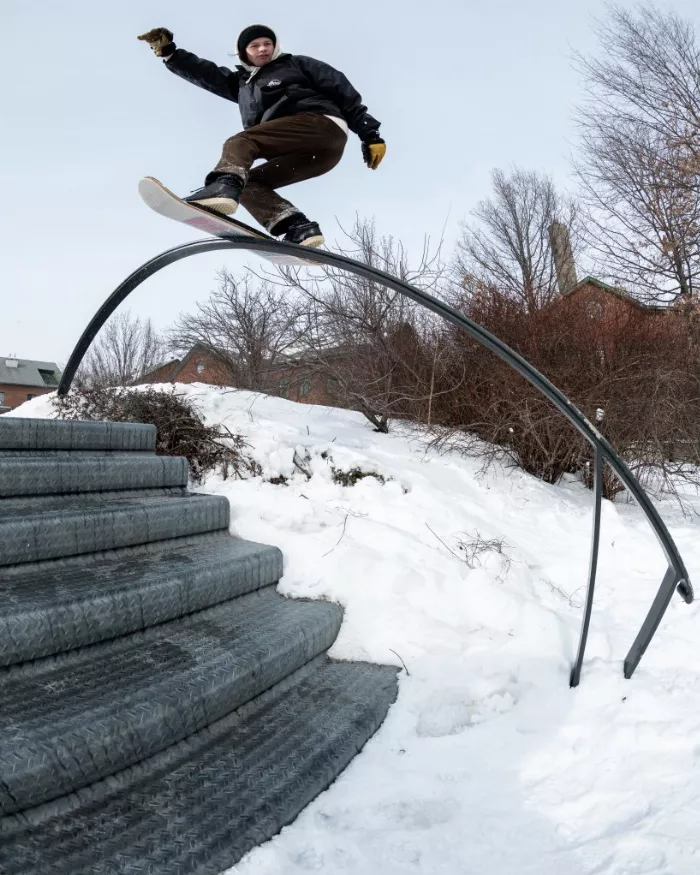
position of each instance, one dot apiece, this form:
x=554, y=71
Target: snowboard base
x=168, y=204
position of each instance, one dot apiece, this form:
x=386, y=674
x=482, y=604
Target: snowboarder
x=296, y=112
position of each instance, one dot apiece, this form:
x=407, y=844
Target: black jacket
x=288, y=85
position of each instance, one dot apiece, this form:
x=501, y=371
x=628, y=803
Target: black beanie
x=255, y=31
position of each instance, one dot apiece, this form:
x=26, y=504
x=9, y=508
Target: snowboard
x=165, y=202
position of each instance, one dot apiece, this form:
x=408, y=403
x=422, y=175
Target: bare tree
x=246, y=326
x=508, y=246
x=640, y=165
x=369, y=342
x=126, y=348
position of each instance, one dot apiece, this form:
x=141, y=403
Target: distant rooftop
x=618, y=291
x=25, y=372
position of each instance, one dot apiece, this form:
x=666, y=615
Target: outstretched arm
x=206, y=74
x=219, y=80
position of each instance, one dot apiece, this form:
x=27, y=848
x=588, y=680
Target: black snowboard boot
x=305, y=234
x=298, y=229
x=222, y=195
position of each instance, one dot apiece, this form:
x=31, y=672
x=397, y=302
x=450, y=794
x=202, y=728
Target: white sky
x=461, y=87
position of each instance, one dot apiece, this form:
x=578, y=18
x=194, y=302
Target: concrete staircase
x=162, y=708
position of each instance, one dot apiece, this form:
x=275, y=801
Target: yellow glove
x=160, y=39
x=373, y=153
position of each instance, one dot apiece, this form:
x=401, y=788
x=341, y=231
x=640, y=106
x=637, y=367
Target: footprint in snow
x=453, y=712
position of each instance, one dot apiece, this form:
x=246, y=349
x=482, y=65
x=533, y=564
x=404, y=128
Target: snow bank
x=488, y=763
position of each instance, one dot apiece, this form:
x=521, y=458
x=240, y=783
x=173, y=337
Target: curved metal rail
x=676, y=577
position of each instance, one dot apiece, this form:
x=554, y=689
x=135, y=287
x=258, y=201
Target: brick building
x=302, y=379
x=23, y=379
x=296, y=377
x=612, y=308
x=606, y=302
x=615, y=313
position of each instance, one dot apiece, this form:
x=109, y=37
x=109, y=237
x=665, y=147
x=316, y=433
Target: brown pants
x=297, y=147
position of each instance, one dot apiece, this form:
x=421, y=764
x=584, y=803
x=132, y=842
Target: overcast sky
x=461, y=87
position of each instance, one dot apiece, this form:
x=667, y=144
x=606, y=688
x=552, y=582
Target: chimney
x=564, y=264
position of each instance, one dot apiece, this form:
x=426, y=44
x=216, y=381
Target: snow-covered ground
x=488, y=764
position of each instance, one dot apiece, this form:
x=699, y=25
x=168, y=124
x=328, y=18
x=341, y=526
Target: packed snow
x=488, y=764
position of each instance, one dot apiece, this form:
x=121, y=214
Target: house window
x=199, y=367
x=30, y=396
x=49, y=377
x=284, y=389
x=594, y=309
x=305, y=386
x=2, y=398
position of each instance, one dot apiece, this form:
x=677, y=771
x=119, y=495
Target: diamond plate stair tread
x=60, y=476
x=199, y=807
x=34, y=529
x=55, y=434
x=51, y=607
x=71, y=454
x=26, y=505
x=105, y=709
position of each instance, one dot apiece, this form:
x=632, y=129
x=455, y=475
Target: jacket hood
x=251, y=68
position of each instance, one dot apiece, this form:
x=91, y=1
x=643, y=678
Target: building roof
x=618, y=291
x=168, y=366
x=173, y=368
x=45, y=375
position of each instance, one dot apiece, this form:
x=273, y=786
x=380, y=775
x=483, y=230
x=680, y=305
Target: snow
x=488, y=763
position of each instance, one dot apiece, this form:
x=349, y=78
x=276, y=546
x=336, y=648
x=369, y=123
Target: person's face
x=260, y=51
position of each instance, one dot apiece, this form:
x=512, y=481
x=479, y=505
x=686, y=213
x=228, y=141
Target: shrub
x=634, y=373
x=180, y=428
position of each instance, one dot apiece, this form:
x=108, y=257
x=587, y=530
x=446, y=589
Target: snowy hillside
x=488, y=764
